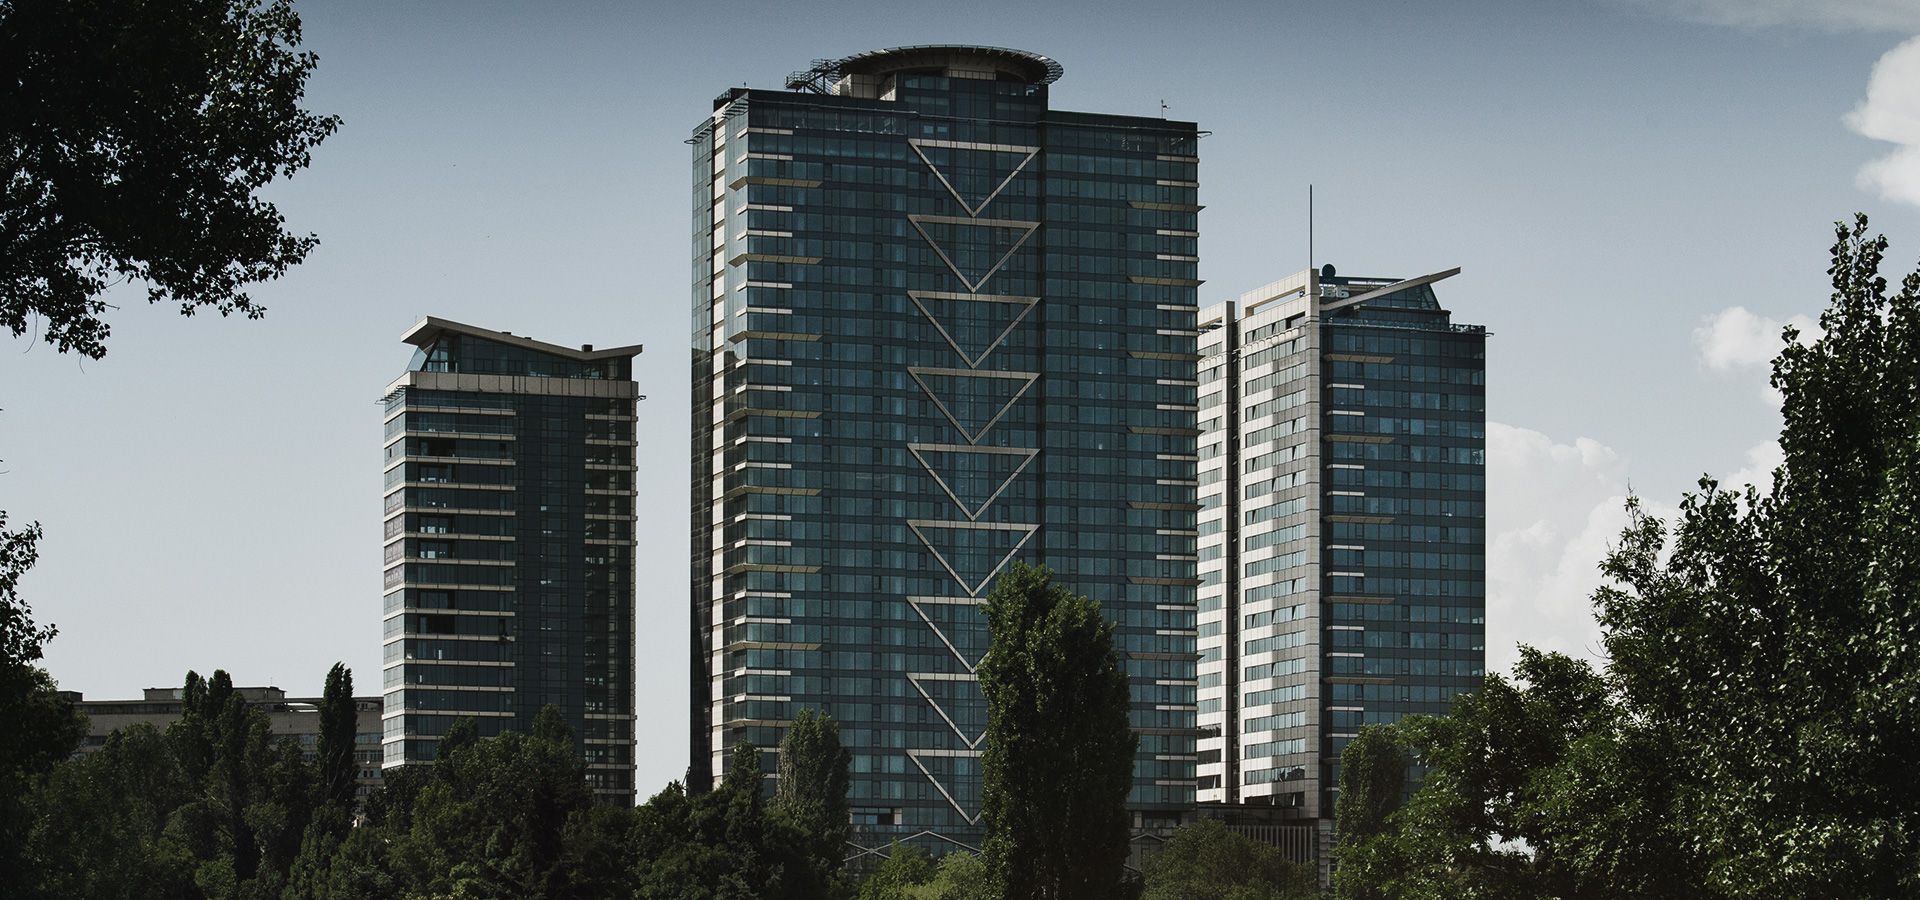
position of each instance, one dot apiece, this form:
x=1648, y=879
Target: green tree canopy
x=1059, y=746
x=1753, y=736
x=1773, y=644
x=40, y=726
x=102, y=825
x=717, y=844
x=339, y=725
x=133, y=140
x=1536, y=787
x=810, y=796
x=1206, y=859
x=490, y=820
x=906, y=867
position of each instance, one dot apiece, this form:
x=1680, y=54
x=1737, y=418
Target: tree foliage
x=1537, y=787
x=21, y=640
x=491, y=819
x=1059, y=747
x=906, y=867
x=1777, y=647
x=339, y=725
x=106, y=824
x=909, y=873
x=1206, y=859
x=40, y=728
x=133, y=140
x=810, y=797
x=723, y=843
x=215, y=807
x=1373, y=775
x=1754, y=733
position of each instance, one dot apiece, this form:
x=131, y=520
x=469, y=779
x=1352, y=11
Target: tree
x=1774, y=643
x=1536, y=787
x=1373, y=775
x=339, y=726
x=491, y=818
x=41, y=727
x=811, y=794
x=254, y=795
x=960, y=876
x=133, y=140
x=1205, y=859
x=1754, y=734
x=715, y=844
x=21, y=641
x=101, y=825
x=907, y=866
x=1059, y=747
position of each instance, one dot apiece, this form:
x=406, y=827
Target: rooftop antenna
x=1309, y=227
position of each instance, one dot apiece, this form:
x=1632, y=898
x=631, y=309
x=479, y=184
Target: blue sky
x=1638, y=191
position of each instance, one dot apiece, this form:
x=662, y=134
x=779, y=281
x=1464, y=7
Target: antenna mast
x=1309, y=227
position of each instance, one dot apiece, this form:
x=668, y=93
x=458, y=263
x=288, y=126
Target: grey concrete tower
x=1341, y=533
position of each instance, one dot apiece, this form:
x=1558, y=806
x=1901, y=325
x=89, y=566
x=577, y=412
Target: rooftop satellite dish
x=1326, y=271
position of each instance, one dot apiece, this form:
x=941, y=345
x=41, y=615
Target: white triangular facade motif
x=921, y=146
x=921, y=682
x=951, y=332
x=973, y=285
x=955, y=492
x=920, y=374
x=931, y=608
x=920, y=760
x=947, y=558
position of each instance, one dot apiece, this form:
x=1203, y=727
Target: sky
x=1639, y=192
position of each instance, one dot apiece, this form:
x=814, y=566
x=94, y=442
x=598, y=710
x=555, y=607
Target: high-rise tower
x=937, y=325
x=509, y=544
x=1342, y=530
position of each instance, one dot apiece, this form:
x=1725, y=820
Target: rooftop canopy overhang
x=1011, y=65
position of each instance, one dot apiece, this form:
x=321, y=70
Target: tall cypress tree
x=339, y=723
x=1059, y=747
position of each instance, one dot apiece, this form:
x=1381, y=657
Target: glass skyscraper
x=937, y=325
x=1342, y=528
x=509, y=544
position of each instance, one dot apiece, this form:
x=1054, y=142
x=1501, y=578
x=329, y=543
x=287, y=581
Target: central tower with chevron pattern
x=938, y=326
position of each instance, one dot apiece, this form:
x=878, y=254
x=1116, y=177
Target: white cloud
x=1553, y=509
x=1891, y=113
x=1762, y=459
x=1831, y=15
x=1738, y=340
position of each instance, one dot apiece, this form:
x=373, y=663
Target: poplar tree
x=339, y=725
x=1059, y=746
x=811, y=794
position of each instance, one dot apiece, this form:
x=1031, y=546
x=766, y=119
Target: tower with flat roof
x=938, y=325
x=509, y=544
x=1342, y=532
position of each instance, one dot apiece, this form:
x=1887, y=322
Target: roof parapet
x=423, y=333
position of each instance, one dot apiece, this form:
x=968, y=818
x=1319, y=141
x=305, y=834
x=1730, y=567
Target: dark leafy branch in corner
x=133, y=137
